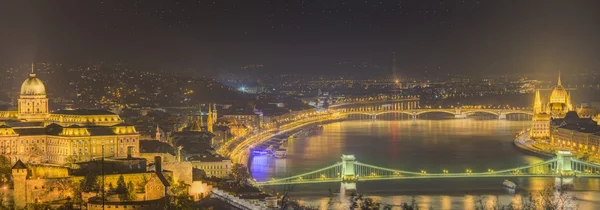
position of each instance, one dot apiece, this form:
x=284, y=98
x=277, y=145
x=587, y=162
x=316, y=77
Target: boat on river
x=509, y=185
x=281, y=153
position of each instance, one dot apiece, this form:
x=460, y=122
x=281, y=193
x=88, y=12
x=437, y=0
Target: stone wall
x=182, y=171
x=45, y=171
x=200, y=189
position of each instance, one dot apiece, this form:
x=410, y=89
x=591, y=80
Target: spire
x=537, y=105
x=559, y=82
x=32, y=74
x=568, y=102
x=209, y=119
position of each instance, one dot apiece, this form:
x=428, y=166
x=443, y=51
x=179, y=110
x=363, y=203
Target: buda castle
x=33, y=134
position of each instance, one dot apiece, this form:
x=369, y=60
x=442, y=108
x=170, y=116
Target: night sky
x=440, y=36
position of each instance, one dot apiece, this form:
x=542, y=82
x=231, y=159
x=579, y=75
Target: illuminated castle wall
x=32, y=134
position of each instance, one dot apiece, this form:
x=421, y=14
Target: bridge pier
x=348, y=175
x=501, y=116
x=563, y=182
x=374, y=117
x=460, y=116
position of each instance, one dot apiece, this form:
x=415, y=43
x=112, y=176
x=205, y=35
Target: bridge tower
x=348, y=175
x=563, y=165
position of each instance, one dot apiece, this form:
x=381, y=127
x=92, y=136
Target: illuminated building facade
x=540, y=126
x=213, y=165
x=559, y=104
x=576, y=134
x=34, y=135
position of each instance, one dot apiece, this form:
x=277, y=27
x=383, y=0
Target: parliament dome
x=33, y=86
x=559, y=95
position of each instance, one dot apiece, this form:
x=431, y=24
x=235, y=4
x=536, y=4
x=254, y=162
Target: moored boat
x=281, y=153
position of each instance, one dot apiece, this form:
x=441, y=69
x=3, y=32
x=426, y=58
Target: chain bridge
x=349, y=171
x=457, y=112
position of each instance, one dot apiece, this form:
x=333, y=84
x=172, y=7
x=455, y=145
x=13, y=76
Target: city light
x=132, y=104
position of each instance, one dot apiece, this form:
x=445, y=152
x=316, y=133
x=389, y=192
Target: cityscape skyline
x=306, y=104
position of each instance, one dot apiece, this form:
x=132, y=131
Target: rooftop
x=155, y=146
x=19, y=165
x=208, y=158
x=84, y=112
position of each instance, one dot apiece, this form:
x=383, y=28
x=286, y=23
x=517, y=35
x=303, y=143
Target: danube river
x=431, y=145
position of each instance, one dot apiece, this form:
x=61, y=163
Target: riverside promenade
x=523, y=142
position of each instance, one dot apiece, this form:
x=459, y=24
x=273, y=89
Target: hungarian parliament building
x=559, y=125
x=34, y=135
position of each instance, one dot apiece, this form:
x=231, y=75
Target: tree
x=285, y=197
x=89, y=183
x=180, y=202
x=141, y=185
x=121, y=189
x=5, y=165
x=131, y=193
x=178, y=189
x=61, y=185
x=5, y=202
x=240, y=174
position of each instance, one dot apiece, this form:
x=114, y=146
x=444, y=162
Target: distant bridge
x=457, y=112
x=349, y=171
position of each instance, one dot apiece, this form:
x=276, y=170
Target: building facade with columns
x=33, y=134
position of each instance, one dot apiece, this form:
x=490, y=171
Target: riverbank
x=246, y=157
x=523, y=143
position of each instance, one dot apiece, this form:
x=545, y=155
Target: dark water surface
x=430, y=145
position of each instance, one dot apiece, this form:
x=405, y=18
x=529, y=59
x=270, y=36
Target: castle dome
x=33, y=86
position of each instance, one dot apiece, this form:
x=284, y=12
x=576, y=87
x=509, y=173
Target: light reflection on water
x=431, y=145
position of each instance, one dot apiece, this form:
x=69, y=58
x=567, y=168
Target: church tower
x=33, y=103
x=214, y=111
x=209, y=119
x=19, y=173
